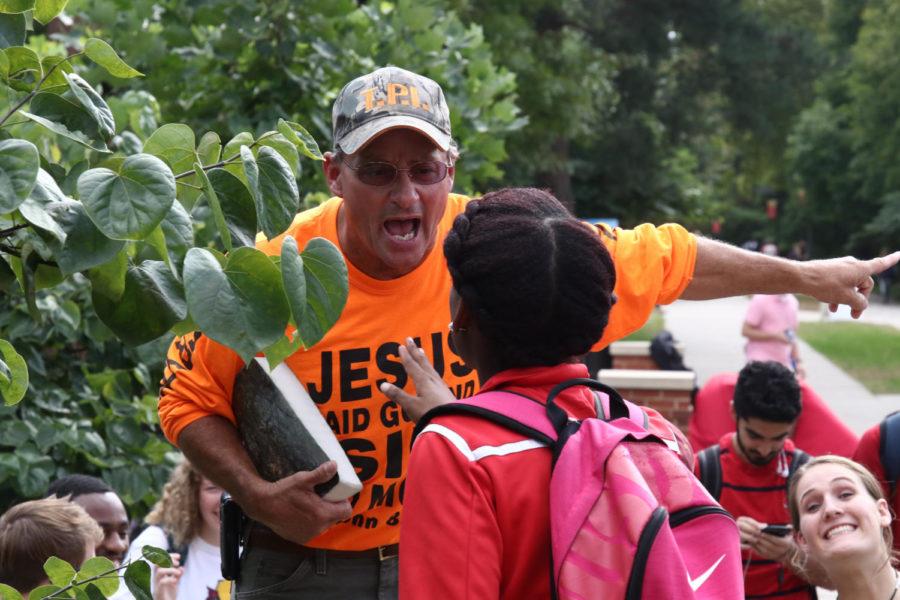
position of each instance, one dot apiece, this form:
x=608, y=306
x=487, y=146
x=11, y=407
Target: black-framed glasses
x=426, y=172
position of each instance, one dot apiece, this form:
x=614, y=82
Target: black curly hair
x=767, y=390
x=538, y=281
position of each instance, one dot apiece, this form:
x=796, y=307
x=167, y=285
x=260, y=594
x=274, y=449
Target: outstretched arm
x=722, y=270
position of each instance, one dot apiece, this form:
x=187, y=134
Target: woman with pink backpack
x=521, y=491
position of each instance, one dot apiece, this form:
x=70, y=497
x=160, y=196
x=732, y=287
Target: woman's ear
x=801, y=542
x=884, y=513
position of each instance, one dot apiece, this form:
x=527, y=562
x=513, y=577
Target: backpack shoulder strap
x=181, y=550
x=711, y=470
x=800, y=458
x=507, y=409
x=889, y=449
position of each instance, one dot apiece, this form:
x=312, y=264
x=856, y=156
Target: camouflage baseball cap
x=389, y=98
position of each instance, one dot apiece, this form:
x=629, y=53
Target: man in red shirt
x=748, y=470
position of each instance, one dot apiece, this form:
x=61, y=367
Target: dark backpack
x=889, y=450
x=711, y=468
x=665, y=354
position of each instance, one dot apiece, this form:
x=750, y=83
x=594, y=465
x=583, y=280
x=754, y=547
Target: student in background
x=185, y=521
x=104, y=505
x=843, y=522
x=33, y=531
x=748, y=471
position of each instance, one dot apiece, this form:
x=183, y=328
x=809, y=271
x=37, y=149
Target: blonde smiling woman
x=843, y=524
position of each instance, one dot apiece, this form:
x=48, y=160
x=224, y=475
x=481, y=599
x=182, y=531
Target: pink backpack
x=628, y=519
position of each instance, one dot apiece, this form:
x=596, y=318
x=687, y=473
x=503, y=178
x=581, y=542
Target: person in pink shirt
x=770, y=328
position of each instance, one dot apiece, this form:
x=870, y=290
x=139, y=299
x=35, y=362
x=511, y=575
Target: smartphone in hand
x=778, y=530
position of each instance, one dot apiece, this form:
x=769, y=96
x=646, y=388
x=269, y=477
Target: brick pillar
x=668, y=392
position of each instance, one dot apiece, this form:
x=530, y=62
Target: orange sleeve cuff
x=197, y=382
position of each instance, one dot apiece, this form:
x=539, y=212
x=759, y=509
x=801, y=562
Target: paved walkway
x=711, y=333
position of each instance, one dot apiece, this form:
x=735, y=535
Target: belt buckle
x=381, y=553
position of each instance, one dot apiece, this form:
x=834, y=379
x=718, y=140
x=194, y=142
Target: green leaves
x=137, y=580
x=103, y=573
x=59, y=571
x=157, y=556
x=128, y=205
x=19, y=163
x=241, y=305
x=65, y=118
x=9, y=593
x=297, y=134
x=273, y=188
x=46, y=10
x=326, y=288
x=93, y=104
x=103, y=54
x=12, y=30
x=13, y=374
x=16, y=6
x=85, y=246
x=140, y=302
x=36, y=208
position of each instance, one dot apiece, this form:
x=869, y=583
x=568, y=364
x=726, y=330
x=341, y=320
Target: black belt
x=260, y=536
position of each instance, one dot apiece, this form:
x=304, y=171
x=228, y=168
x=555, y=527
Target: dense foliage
x=115, y=232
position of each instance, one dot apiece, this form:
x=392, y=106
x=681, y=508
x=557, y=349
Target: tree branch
x=5, y=233
x=226, y=161
x=17, y=253
x=36, y=89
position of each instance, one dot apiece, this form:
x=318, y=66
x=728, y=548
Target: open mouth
x=839, y=530
x=402, y=230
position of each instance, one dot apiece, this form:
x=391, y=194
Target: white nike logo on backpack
x=700, y=580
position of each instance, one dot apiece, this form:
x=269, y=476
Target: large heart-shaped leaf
x=103, y=54
x=85, y=246
x=273, y=188
x=129, y=204
x=36, y=209
x=94, y=103
x=150, y=302
x=12, y=30
x=243, y=305
x=19, y=164
x=174, y=144
x=14, y=384
x=47, y=10
x=327, y=288
x=66, y=118
x=237, y=206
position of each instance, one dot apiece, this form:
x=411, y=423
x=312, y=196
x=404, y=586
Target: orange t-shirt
x=342, y=372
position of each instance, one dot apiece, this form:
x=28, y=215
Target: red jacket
x=476, y=514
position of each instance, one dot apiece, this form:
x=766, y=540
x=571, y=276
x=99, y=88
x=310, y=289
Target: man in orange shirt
x=391, y=174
